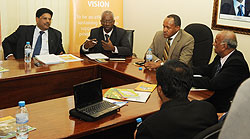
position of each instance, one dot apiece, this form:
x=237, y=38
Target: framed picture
x=230, y=15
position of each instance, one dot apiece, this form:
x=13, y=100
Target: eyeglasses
x=107, y=21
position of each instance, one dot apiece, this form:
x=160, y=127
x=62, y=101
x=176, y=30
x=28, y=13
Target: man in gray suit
x=171, y=43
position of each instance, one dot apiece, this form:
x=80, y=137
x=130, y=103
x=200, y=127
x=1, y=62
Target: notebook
x=89, y=103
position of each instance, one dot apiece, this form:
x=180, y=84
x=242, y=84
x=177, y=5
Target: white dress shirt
x=224, y=59
x=237, y=4
x=173, y=37
x=45, y=44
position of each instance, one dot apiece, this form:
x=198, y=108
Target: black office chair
x=130, y=34
x=203, y=43
x=211, y=132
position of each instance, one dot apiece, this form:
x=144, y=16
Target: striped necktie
x=166, y=49
x=218, y=68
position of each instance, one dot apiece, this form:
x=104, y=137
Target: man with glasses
x=107, y=39
x=224, y=75
x=50, y=39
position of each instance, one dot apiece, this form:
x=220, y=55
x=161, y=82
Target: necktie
x=240, y=13
x=38, y=44
x=166, y=49
x=218, y=68
x=106, y=37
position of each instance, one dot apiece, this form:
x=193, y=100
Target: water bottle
x=22, y=119
x=149, y=55
x=27, y=52
x=138, y=121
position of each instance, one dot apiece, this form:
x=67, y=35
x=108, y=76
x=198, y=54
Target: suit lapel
x=113, y=36
x=174, y=43
x=30, y=34
x=228, y=59
x=101, y=35
x=50, y=40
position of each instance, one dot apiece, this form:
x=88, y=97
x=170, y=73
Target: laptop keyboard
x=98, y=107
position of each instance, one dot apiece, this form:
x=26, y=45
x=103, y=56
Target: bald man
x=224, y=75
x=107, y=39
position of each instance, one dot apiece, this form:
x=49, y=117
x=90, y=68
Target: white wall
x=22, y=12
x=146, y=17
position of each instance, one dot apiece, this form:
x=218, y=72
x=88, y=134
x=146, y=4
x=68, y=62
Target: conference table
x=48, y=91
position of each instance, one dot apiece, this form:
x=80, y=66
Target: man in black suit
x=224, y=75
x=13, y=45
x=178, y=117
x=107, y=39
x=235, y=7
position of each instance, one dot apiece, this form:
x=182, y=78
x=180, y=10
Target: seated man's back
x=177, y=118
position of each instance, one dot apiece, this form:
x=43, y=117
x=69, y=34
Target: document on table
x=69, y=58
x=49, y=59
x=96, y=56
x=197, y=89
x=55, y=59
x=114, y=93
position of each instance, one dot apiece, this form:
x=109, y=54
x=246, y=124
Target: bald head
x=108, y=13
x=225, y=42
x=229, y=38
x=107, y=21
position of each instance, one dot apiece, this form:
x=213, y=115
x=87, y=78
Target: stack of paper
x=49, y=59
x=55, y=59
x=8, y=126
x=3, y=69
x=96, y=56
x=145, y=87
x=127, y=94
x=69, y=58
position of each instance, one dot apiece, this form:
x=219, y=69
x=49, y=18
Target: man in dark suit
x=235, y=7
x=107, y=39
x=224, y=75
x=13, y=45
x=178, y=117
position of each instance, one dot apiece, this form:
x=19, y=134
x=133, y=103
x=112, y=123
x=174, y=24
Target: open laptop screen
x=87, y=93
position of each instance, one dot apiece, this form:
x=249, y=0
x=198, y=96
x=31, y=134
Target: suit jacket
x=234, y=71
x=178, y=119
x=181, y=48
x=227, y=7
x=118, y=38
x=14, y=44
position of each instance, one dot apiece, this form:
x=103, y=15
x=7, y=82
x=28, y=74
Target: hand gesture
x=89, y=43
x=108, y=45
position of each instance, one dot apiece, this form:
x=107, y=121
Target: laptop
x=89, y=103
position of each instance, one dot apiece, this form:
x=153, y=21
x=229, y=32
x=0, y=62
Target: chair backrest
x=130, y=35
x=237, y=122
x=211, y=132
x=203, y=43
